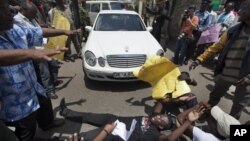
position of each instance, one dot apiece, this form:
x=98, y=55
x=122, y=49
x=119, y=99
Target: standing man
x=84, y=18
x=204, y=23
x=189, y=22
x=233, y=66
x=19, y=89
x=160, y=15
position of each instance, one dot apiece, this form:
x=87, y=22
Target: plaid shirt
x=18, y=83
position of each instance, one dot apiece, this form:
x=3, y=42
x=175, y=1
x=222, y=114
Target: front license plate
x=123, y=75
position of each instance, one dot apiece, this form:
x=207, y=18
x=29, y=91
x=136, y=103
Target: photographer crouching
x=188, y=24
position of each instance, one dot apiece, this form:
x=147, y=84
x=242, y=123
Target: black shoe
x=193, y=82
x=63, y=107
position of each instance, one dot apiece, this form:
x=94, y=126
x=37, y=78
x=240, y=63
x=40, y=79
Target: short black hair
x=206, y=1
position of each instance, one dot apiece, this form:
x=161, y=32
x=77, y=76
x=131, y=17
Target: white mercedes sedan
x=118, y=44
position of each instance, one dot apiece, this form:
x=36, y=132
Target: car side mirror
x=88, y=28
x=149, y=28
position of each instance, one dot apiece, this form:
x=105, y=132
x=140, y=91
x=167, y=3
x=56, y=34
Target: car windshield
x=116, y=5
x=118, y=22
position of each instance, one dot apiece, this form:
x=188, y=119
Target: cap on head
x=224, y=121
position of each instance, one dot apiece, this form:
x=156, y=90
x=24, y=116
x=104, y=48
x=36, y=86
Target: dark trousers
x=241, y=97
x=156, y=32
x=181, y=50
x=192, y=45
x=45, y=115
x=25, y=128
x=76, y=43
x=98, y=120
x=47, y=73
x=6, y=134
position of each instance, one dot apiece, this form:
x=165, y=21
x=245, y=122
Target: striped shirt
x=234, y=58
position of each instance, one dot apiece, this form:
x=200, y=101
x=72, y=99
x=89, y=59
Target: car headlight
x=90, y=58
x=160, y=52
x=101, y=61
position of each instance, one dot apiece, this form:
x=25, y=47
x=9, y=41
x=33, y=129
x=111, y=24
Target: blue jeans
x=47, y=74
x=181, y=50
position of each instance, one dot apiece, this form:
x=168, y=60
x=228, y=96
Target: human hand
x=72, y=32
x=74, y=137
x=185, y=98
x=205, y=104
x=195, y=114
x=193, y=65
x=244, y=81
x=45, y=54
x=109, y=127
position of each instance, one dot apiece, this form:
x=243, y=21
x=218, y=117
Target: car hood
x=120, y=42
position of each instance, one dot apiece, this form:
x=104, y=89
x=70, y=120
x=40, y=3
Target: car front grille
x=126, y=61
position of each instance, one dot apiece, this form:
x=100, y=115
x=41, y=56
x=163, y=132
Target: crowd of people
x=29, y=72
x=201, y=28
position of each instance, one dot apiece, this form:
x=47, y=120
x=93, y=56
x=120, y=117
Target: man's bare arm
x=51, y=32
x=16, y=56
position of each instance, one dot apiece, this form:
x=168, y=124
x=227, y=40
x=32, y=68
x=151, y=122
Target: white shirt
x=21, y=20
x=213, y=17
x=199, y=135
x=228, y=19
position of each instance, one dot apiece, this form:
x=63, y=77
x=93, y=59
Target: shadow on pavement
x=66, y=83
x=61, y=132
x=115, y=86
x=148, y=109
x=207, y=76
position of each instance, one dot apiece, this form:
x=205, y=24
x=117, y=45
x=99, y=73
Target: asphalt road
x=124, y=99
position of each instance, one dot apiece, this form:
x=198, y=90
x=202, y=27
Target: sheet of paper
x=132, y=128
x=120, y=129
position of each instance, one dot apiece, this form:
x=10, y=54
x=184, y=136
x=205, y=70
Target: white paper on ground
x=120, y=129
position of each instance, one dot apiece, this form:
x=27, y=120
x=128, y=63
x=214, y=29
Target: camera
x=185, y=16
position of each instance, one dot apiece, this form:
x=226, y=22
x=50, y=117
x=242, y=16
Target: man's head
x=204, y=5
x=191, y=10
x=229, y=7
x=244, y=12
x=161, y=121
x=210, y=7
x=29, y=11
x=6, y=16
